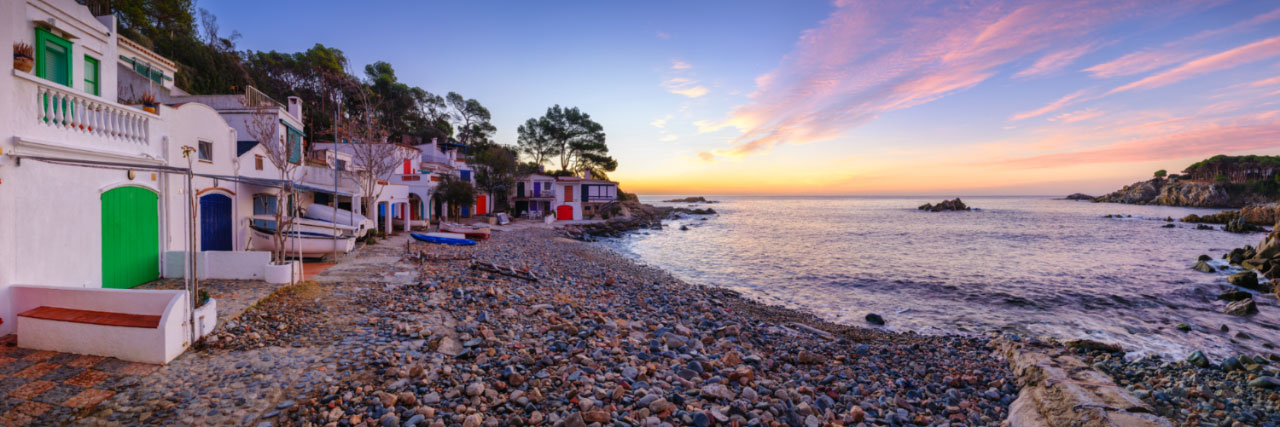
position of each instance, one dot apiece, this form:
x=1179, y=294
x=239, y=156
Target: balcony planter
x=23, y=57
x=279, y=273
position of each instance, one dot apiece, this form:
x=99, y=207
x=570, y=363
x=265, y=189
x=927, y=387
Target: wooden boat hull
x=310, y=245
x=478, y=233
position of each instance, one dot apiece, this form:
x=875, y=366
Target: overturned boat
x=339, y=216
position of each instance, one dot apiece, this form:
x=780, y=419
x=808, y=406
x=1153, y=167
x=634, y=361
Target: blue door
x=215, y=222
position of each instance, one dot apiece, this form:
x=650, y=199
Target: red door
x=407, y=169
x=481, y=205
x=564, y=212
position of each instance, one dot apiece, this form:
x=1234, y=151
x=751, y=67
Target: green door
x=130, y=237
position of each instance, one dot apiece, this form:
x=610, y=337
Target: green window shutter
x=53, y=57
x=91, y=76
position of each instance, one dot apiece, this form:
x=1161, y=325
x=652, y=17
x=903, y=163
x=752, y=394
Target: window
x=91, y=77
x=53, y=57
x=257, y=162
x=342, y=164
x=205, y=151
x=294, y=144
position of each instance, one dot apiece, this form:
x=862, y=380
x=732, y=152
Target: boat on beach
x=308, y=244
x=471, y=231
x=340, y=216
x=442, y=239
x=316, y=226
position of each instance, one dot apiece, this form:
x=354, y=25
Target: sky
x=837, y=98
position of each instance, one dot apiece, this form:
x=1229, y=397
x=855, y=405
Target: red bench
x=93, y=317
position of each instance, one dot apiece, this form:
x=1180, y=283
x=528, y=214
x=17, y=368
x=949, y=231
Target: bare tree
x=264, y=126
x=374, y=158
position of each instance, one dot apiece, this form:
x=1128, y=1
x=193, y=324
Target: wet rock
x=1233, y=296
x=875, y=319
x=945, y=205
x=1198, y=359
x=1203, y=267
x=1265, y=382
x=1244, y=307
x=1092, y=345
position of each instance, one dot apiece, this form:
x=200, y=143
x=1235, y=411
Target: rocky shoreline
x=598, y=338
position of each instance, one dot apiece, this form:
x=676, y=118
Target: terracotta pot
x=23, y=64
x=150, y=109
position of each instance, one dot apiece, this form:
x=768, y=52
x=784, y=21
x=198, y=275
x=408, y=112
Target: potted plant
x=24, y=57
x=148, y=101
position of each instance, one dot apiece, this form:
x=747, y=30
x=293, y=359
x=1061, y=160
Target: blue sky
x=991, y=97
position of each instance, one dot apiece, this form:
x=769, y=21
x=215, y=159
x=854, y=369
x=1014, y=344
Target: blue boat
x=442, y=240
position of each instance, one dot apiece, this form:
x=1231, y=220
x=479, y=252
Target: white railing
x=63, y=109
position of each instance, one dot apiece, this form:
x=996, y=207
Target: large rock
x=945, y=205
x=1079, y=196
x=1170, y=193
x=1060, y=389
x=1203, y=267
x=1244, y=307
x=1246, y=279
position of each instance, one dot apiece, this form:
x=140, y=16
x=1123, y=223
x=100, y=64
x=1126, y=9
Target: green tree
x=577, y=140
x=496, y=169
x=471, y=120
x=535, y=143
x=455, y=192
x=1161, y=173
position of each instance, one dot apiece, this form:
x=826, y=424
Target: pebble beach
x=597, y=339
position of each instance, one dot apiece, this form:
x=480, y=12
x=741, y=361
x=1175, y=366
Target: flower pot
x=279, y=273
x=150, y=108
x=206, y=317
x=23, y=64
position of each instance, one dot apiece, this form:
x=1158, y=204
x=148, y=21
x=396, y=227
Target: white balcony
x=52, y=114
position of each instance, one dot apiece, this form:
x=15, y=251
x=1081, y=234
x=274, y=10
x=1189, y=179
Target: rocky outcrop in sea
x=1167, y=192
x=945, y=205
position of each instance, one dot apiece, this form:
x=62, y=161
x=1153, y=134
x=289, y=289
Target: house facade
x=578, y=198
x=77, y=222
x=534, y=195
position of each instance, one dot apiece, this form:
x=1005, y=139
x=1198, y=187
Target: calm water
x=1032, y=265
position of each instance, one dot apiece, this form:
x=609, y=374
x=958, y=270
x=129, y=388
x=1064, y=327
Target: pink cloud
x=872, y=57
x=1246, y=54
x=1060, y=103
x=1173, y=52
x=1239, y=134
x=1077, y=116
x=1138, y=62
x=1055, y=61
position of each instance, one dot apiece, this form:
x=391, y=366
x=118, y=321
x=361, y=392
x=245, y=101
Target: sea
x=1028, y=266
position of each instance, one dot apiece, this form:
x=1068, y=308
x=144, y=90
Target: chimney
x=295, y=107
x=586, y=174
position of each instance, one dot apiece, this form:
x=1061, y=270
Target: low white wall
x=133, y=344
x=234, y=265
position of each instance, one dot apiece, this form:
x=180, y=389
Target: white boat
x=471, y=231
x=340, y=216
x=316, y=226
x=310, y=245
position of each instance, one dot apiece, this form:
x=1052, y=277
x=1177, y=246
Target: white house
x=395, y=197
x=80, y=186
x=534, y=195
x=580, y=198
